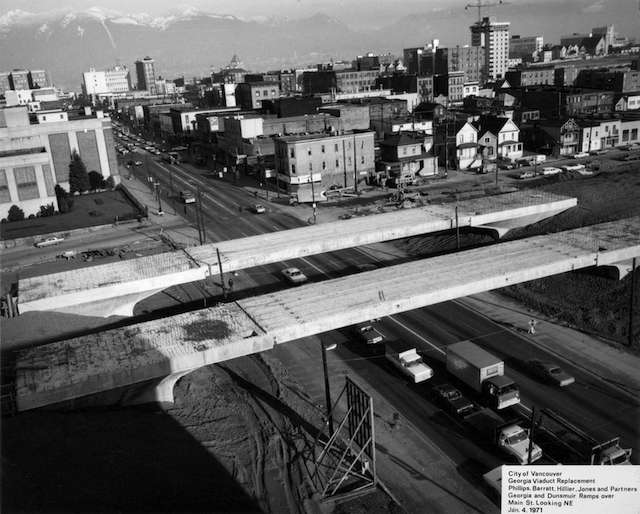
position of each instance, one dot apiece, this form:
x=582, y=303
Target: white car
x=258, y=208
x=294, y=275
x=580, y=155
x=49, y=241
x=551, y=170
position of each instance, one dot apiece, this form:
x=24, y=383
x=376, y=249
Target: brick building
x=309, y=165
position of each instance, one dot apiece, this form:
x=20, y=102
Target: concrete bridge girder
x=120, y=297
x=164, y=350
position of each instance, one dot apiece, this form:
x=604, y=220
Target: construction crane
x=480, y=4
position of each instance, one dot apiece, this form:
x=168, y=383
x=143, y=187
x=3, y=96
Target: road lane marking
x=437, y=348
x=315, y=267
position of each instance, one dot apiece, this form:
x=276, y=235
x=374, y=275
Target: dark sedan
x=452, y=400
x=550, y=373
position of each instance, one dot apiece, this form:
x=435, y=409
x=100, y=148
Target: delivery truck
x=509, y=437
x=482, y=372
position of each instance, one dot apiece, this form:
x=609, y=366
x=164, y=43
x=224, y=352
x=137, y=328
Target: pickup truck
x=407, y=360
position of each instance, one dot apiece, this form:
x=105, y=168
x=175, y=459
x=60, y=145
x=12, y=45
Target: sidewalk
x=614, y=365
x=171, y=221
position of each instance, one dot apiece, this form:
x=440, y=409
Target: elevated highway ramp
x=159, y=352
x=115, y=288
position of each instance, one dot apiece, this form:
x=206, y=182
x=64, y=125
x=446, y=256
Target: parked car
x=526, y=174
x=551, y=170
x=258, y=208
x=452, y=400
x=574, y=167
x=551, y=373
x=580, y=155
x=294, y=275
x=49, y=241
x=138, y=163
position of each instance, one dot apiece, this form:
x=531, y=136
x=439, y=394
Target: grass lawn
x=88, y=211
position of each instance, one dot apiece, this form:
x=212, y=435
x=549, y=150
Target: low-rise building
x=630, y=130
x=500, y=137
x=35, y=154
x=458, y=144
x=599, y=134
x=249, y=95
x=470, y=89
x=352, y=117
x=627, y=102
x=404, y=156
x=352, y=81
x=309, y=165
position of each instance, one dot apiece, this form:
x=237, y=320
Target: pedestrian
x=230, y=284
x=532, y=326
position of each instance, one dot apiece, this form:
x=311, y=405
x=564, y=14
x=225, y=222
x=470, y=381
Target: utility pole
x=156, y=187
x=222, y=284
x=327, y=390
x=355, y=167
x=457, y=226
x=313, y=198
x=202, y=235
x=532, y=424
x=632, y=301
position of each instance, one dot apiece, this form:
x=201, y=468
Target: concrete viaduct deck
x=155, y=354
x=115, y=288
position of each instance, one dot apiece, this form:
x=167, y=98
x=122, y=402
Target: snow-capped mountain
x=190, y=41
x=187, y=42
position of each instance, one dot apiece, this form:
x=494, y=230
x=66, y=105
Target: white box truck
x=482, y=372
x=406, y=359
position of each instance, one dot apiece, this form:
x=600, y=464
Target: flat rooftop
x=144, y=351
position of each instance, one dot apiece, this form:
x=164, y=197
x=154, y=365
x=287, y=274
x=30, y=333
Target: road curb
x=536, y=342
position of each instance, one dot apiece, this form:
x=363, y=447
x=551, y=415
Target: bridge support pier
x=156, y=391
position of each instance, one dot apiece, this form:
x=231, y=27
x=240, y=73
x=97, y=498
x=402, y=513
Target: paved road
x=590, y=403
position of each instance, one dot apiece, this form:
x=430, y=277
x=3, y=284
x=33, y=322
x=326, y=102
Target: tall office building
x=117, y=79
x=493, y=36
x=145, y=70
x=524, y=47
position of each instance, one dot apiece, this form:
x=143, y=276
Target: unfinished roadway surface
x=157, y=353
x=115, y=288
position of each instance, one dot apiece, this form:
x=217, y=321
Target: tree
x=110, y=182
x=15, y=213
x=95, y=180
x=78, y=176
x=47, y=210
x=65, y=202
